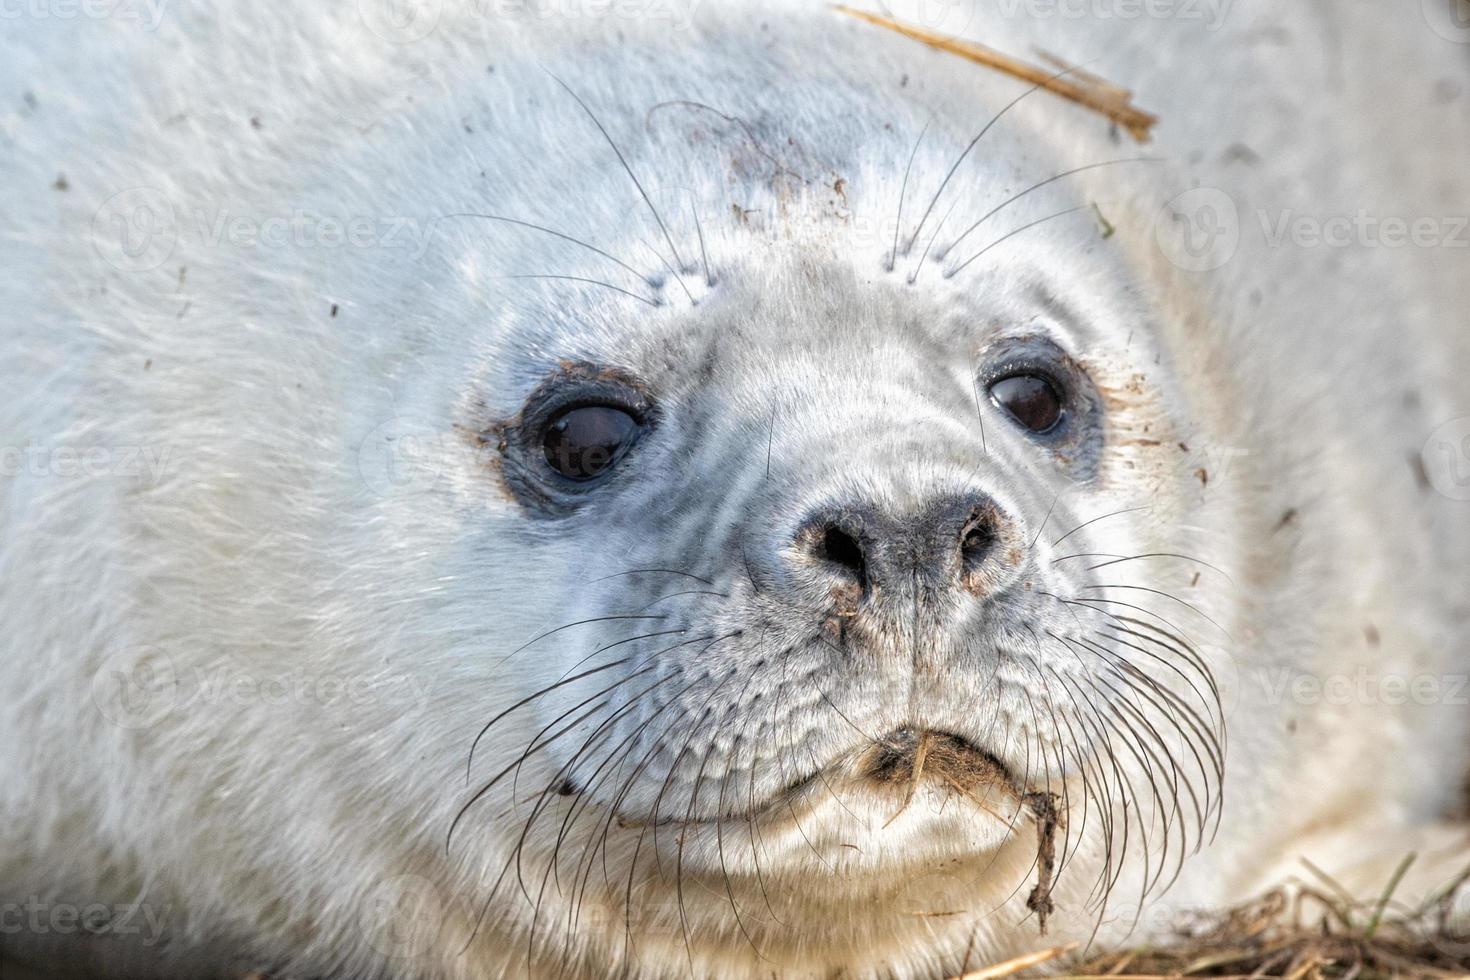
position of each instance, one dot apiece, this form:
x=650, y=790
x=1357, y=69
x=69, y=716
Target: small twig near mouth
x=916, y=773
x=1043, y=807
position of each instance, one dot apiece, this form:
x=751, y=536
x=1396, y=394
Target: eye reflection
x=584, y=443
x=1030, y=399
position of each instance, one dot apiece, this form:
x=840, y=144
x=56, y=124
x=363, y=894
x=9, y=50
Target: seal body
x=836, y=659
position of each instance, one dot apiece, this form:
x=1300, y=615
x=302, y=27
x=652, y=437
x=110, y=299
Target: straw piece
x=1102, y=97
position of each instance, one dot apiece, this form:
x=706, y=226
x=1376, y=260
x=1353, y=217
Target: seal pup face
x=842, y=572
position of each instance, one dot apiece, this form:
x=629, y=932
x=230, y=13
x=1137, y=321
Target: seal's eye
x=583, y=443
x=1030, y=399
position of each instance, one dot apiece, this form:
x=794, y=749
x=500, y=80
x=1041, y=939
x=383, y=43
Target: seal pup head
x=836, y=556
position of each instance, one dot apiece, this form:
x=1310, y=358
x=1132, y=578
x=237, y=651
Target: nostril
x=977, y=539
x=841, y=549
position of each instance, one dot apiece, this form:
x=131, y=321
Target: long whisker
x=903, y=190
x=1038, y=186
x=663, y=571
x=1173, y=598
x=1118, y=560
x=566, y=626
x=1095, y=520
x=590, y=282
x=469, y=765
x=709, y=279
x=678, y=262
x=971, y=145
x=540, y=742
x=1006, y=237
x=918, y=266
x=558, y=234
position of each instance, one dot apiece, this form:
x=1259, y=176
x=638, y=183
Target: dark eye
x=583, y=443
x=1030, y=399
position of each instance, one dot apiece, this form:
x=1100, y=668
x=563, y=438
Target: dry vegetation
x=1308, y=931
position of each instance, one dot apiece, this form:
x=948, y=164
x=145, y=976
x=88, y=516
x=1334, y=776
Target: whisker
x=1007, y=236
x=1095, y=520
x=527, y=700
x=709, y=279
x=537, y=744
x=1118, y=560
x=679, y=856
x=591, y=282
x=1097, y=793
x=618, y=643
x=614, y=759
x=971, y=145
x=1056, y=497
x=1188, y=605
x=557, y=234
x=569, y=767
x=484, y=791
x=663, y=571
x=720, y=842
x=678, y=262
x=902, y=190
x=675, y=595
x=919, y=263
x=979, y=415
x=1177, y=644
x=1038, y=186
x=581, y=622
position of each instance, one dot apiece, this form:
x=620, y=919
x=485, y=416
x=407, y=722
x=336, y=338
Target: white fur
x=257, y=546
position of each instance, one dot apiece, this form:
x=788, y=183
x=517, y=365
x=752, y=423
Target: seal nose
x=956, y=541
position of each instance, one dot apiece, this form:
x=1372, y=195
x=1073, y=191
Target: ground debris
x=1302, y=932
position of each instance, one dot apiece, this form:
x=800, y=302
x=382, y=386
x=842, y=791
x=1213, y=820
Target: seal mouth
x=901, y=761
x=907, y=757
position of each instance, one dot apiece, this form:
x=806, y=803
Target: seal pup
x=666, y=492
